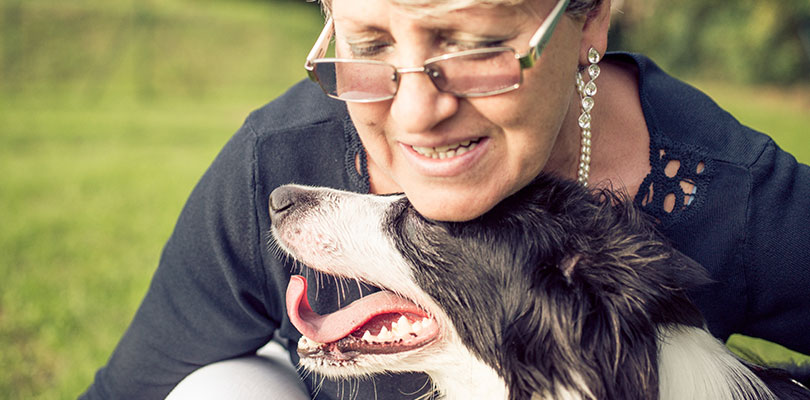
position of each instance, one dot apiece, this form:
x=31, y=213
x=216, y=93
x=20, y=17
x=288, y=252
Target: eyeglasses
x=471, y=73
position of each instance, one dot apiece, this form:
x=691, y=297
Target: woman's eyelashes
x=452, y=46
x=449, y=42
x=369, y=49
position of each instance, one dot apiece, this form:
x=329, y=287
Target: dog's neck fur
x=691, y=364
x=466, y=377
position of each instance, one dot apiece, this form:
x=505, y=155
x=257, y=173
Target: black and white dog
x=556, y=293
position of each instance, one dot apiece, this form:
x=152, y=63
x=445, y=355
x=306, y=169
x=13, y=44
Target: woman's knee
x=267, y=375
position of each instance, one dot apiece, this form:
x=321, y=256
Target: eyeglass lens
x=468, y=74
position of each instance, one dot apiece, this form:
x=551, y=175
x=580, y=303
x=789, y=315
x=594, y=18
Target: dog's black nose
x=286, y=198
x=281, y=200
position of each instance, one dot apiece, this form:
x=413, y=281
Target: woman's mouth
x=447, y=151
x=450, y=160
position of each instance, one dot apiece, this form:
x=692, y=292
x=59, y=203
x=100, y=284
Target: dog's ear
x=589, y=325
x=570, y=339
x=568, y=265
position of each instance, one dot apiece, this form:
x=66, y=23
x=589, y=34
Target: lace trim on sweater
x=354, y=151
x=676, y=185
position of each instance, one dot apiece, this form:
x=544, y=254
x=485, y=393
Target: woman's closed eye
x=451, y=42
x=369, y=50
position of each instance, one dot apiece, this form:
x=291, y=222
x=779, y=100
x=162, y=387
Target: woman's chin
x=456, y=208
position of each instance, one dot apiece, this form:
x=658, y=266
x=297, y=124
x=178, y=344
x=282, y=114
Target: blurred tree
x=739, y=40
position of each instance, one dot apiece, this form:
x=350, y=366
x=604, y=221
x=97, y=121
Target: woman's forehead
x=445, y=6
x=481, y=16
x=435, y=8
x=469, y=25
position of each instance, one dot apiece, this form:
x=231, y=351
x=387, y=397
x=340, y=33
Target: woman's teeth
x=450, y=151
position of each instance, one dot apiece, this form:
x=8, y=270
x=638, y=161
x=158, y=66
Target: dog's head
x=557, y=289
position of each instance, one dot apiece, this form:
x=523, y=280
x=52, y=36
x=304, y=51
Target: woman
x=458, y=134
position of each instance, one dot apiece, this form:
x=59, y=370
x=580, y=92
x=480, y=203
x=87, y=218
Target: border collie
x=557, y=293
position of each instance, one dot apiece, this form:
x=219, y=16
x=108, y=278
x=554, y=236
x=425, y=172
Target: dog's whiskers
x=317, y=382
x=341, y=284
x=428, y=395
x=356, y=388
x=359, y=286
x=374, y=385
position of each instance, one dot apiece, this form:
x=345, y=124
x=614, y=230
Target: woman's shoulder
x=302, y=137
x=301, y=107
x=687, y=125
x=680, y=115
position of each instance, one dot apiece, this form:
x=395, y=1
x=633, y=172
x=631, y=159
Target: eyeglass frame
x=537, y=44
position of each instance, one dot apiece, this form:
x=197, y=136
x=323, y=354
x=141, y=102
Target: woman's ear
x=595, y=31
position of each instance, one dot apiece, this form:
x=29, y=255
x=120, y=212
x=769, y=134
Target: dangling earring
x=586, y=92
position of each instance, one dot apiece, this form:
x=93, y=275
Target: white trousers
x=267, y=375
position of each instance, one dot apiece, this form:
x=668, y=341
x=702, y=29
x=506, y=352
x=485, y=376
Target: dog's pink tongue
x=339, y=324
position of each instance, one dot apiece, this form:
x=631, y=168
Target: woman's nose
x=419, y=106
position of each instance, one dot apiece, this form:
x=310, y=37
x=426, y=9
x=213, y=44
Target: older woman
x=459, y=103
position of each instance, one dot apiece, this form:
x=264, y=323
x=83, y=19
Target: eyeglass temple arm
x=540, y=38
x=319, y=48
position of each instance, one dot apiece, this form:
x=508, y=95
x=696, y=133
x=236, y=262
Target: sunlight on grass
x=103, y=134
x=85, y=215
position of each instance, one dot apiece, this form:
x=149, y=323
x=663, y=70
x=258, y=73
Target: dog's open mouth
x=380, y=323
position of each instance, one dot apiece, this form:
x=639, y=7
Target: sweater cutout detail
x=677, y=183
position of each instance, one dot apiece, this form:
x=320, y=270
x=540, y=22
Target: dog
x=558, y=292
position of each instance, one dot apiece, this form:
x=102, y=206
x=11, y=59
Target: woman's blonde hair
x=576, y=8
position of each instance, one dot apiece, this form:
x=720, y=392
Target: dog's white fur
x=344, y=236
x=695, y=365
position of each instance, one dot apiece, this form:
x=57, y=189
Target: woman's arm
x=207, y=299
x=778, y=249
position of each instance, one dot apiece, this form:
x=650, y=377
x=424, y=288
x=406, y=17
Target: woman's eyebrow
x=466, y=36
x=361, y=37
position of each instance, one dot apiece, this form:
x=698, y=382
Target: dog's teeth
x=384, y=334
x=399, y=331
x=402, y=327
x=306, y=342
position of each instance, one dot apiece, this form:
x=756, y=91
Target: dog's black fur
x=588, y=280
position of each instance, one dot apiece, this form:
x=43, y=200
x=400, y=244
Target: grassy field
x=109, y=113
x=105, y=129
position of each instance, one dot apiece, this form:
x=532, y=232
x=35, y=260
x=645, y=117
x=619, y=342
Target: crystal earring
x=586, y=93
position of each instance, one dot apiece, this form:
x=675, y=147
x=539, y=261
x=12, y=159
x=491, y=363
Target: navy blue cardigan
x=219, y=291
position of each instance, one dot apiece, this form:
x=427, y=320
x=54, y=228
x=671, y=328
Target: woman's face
x=515, y=132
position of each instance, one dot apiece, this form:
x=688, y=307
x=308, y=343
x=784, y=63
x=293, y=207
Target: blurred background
x=110, y=110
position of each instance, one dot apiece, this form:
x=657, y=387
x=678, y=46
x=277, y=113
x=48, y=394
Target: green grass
x=88, y=198
x=109, y=113
x=104, y=130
